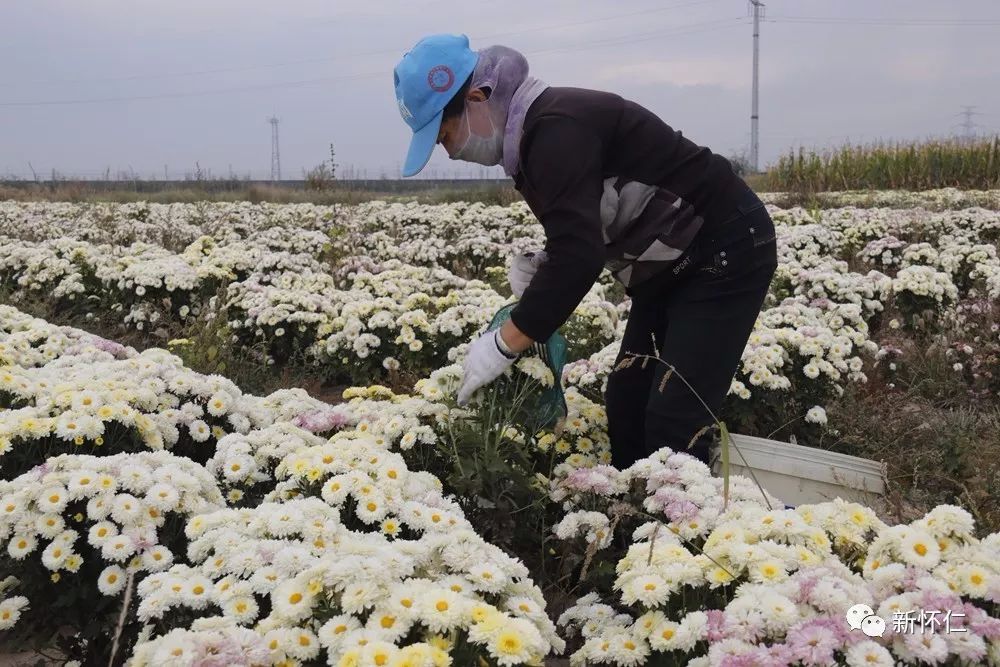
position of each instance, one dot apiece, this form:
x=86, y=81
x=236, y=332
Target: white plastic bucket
x=799, y=475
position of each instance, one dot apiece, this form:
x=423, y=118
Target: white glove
x=522, y=270
x=484, y=363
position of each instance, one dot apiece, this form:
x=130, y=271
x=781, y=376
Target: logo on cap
x=440, y=78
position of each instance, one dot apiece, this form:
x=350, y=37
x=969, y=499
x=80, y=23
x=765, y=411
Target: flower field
x=157, y=512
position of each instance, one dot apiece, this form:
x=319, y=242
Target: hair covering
x=505, y=72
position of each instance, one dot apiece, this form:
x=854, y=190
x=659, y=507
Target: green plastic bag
x=547, y=409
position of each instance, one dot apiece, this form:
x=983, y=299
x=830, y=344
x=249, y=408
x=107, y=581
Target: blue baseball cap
x=427, y=78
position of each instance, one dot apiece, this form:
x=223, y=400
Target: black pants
x=701, y=320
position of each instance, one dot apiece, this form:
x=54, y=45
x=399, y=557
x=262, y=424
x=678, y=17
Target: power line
x=585, y=46
x=574, y=24
x=646, y=36
x=837, y=20
x=363, y=54
x=199, y=93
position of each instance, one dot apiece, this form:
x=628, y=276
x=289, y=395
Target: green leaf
x=212, y=353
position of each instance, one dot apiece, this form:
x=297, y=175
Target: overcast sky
x=146, y=85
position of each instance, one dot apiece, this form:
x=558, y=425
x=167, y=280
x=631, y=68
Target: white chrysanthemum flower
x=651, y=590
x=303, y=644
x=107, y=483
x=976, y=581
x=99, y=507
x=20, y=546
x=91, y=427
x=157, y=558
x=55, y=554
x=869, y=654
x=200, y=431
x=163, y=496
x=127, y=509
x=925, y=647
x=628, y=650
x=816, y=415
x=82, y=483
x=767, y=571
x=101, y=532
x=241, y=608
x=441, y=609
x=174, y=648
x=946, y=520
x=50, y=525
x=335, y=490
x=332, y=633
x=111, y=580
x=52, y=499
x=68, y=426
x=117, y=549
x=218, y=404
x=198, y=592
x=517, y=642
x=919, y=549
x=238, y=468
x=536, y=369
x=134, y=478
x=10, y=611
x=292, y=600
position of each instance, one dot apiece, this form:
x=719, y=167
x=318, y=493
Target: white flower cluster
x=974, y=223
x=242, y=461
x=143, y=281
x=883, y=253
x=74, y=508
x=171, y=226
x=376, y=529
x=590, y=375
x=789, y=575
x=381, y=550
x=961, y=240
x=937, y=199
x=342, y=553
x=832, y=282
x=292, y=303
x=797, y=338
x=386, y=318
x=464, y=238
x=78, y=392
x=924, y=285
x=93, y=398
x=858, y=226
x=31, y=342
x=965, y=259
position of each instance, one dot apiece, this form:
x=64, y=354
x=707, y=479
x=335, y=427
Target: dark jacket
x=612, y=185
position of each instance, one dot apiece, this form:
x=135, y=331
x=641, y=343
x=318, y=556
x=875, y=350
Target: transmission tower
x=758, y=11
x=275, y=150
x=968, y=125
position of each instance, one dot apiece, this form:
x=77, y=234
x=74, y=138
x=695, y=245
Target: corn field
x=911, y=166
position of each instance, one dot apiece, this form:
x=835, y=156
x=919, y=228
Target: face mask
x=483, y=143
